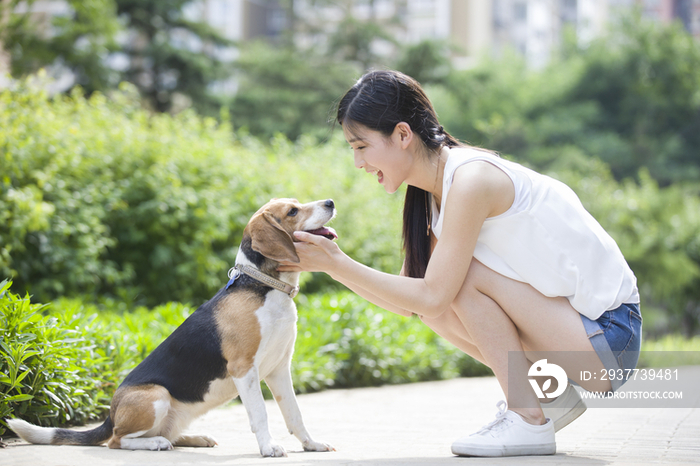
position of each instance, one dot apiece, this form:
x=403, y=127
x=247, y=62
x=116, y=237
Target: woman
x=503, y=262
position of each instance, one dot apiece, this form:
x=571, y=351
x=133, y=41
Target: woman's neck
x=430, y=173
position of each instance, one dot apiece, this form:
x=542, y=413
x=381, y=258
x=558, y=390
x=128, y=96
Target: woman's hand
x=316, y=254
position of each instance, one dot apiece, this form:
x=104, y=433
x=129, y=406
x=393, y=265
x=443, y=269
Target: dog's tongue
x=325, y=231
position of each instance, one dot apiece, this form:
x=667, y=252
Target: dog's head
x=271, y=229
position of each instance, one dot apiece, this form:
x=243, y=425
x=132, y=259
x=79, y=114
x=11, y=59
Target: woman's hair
x=379, y=101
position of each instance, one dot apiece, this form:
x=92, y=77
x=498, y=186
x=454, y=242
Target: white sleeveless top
x=548, y=240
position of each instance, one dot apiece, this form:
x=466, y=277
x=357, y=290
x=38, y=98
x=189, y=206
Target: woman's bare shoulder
x=483, y=181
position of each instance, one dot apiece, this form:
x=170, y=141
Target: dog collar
x=235, y=272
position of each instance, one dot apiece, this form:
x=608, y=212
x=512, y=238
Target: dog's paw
x=317, y=446
x=145, y=443
x=196, y=441
x=272, y=450
x=157, y=444
x=207, y=441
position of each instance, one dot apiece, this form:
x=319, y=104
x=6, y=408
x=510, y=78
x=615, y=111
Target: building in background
x=685, y=11
x=534, y=28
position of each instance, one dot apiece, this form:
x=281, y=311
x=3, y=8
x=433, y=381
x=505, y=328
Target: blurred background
x=138, y=136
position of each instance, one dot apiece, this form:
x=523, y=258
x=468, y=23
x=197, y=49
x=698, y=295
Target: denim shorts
x=616, y=337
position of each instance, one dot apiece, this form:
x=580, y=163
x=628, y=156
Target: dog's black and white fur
x=244, y=334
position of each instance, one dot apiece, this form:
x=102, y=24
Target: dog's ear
x=271, y=240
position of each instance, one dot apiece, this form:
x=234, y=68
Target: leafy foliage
x=51, y=373
x=645, y=81
x=97, y=196
x=287, y=91
x=427, y=61
x=631, y=99
x=77, y=38
x=172, y=60
x=172, y=55
x=60, y=364
x=344, y=342
x=79, y=211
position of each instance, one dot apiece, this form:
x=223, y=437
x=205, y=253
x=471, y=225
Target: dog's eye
x=293, y=212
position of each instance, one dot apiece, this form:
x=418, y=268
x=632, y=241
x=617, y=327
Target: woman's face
x=379, y=155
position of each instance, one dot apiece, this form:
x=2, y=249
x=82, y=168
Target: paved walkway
x=405, y=425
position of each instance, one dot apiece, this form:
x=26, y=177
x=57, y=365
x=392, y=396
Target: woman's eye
x=293, y=212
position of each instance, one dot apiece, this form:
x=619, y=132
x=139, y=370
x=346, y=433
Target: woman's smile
x=378, y=173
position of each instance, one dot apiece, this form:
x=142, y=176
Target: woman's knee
x=471, y=293
x=478, y=277
x=434, y=321
x=447, y=325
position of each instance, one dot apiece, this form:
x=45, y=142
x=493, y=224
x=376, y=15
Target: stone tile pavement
x=406, y=425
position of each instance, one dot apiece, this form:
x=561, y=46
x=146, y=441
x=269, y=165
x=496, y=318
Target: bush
x=343, y=341
x=670, y=351
x=52, y=371
x=61, y=364
x=99, y=197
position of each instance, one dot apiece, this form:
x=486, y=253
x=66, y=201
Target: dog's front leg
x=248, y=388
x=280, y=384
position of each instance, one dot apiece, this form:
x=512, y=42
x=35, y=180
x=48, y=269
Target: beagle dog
x=243, y=335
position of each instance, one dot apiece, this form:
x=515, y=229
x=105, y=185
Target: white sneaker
x=508, y=435
x=565, y=408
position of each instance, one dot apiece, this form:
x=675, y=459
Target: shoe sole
x=515, y=450
x=570, y=416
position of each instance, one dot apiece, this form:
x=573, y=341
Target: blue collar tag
x=233, y=274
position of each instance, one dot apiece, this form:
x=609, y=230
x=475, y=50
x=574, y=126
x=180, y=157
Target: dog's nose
x=329, y=203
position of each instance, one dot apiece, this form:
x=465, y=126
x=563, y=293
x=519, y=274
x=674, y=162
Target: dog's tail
x=56, y=436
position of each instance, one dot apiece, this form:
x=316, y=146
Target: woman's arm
x=378, y=301
x=479, y=190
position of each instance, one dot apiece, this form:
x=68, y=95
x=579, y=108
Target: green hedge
x=62, y=364
x=97, y=196
x=53, y=370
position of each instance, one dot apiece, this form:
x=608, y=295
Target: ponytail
x=416, y=235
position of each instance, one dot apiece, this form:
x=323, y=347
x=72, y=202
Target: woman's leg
x=449, y=327
x=501, y=315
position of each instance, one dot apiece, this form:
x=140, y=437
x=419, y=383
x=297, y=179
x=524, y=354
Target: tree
x=165, y=54
x=282, y=90
x=645, y=82
x=170, y=54
x=631, y=98
x=290, y=87
x=427, y=61
x=79, y=39
x=8, y=22
x=355, y=40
